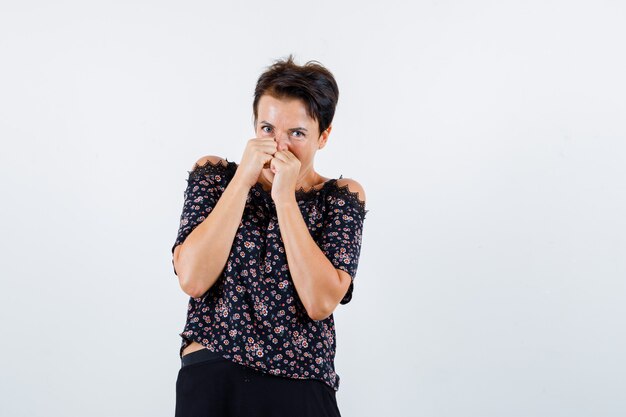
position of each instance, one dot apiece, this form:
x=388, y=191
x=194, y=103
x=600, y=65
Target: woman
x=266, y=250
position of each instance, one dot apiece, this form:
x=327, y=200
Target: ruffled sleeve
x=341, y=235
x=205, y=185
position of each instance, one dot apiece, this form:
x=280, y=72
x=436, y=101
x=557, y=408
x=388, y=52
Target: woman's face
x=286, y=120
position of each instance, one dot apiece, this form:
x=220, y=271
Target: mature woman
x=267, y=249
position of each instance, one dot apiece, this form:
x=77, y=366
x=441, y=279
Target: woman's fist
x=257, y=155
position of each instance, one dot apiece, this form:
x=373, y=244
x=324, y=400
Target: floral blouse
x=252, y=315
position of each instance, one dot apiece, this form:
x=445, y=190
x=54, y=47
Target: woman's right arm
x=201, y=258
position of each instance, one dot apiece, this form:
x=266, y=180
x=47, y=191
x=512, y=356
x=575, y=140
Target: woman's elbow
x=184, y=279
x=189, y=289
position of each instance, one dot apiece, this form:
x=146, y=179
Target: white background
x=489, y=137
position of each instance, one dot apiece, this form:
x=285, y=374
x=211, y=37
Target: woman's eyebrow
x=293, y=128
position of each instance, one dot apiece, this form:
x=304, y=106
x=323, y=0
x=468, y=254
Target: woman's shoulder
x=212, y=165
x=352, y=187
x=209, y=160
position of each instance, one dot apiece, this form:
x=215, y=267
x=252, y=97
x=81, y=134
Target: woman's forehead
x=283, y=110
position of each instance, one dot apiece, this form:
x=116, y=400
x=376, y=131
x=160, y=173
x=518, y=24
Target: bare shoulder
x=212, y=159
x=354, y=187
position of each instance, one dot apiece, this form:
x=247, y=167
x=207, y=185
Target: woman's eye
x=266, y=127
x=298, y=134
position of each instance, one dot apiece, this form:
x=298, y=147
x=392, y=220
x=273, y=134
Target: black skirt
x=209, y=385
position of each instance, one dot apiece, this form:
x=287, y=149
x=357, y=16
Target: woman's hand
x=286, y=168
x=256, y=156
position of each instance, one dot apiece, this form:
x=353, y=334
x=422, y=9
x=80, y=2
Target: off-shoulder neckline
x=208, y=163
x=300, y=193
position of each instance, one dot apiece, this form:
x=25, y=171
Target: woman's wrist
x=240, y=183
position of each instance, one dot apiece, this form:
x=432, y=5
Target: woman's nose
x=281, y=141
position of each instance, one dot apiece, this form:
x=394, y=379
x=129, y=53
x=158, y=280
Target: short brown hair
x=311, y=82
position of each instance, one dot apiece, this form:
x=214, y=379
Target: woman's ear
x=321, y=142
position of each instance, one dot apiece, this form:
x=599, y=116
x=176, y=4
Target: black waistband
x=200, y=356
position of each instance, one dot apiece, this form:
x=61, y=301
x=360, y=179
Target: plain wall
x=490, y=140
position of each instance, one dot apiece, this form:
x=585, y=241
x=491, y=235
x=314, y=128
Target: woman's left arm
x=318, y=283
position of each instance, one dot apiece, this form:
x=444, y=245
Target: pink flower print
x=261, y=308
